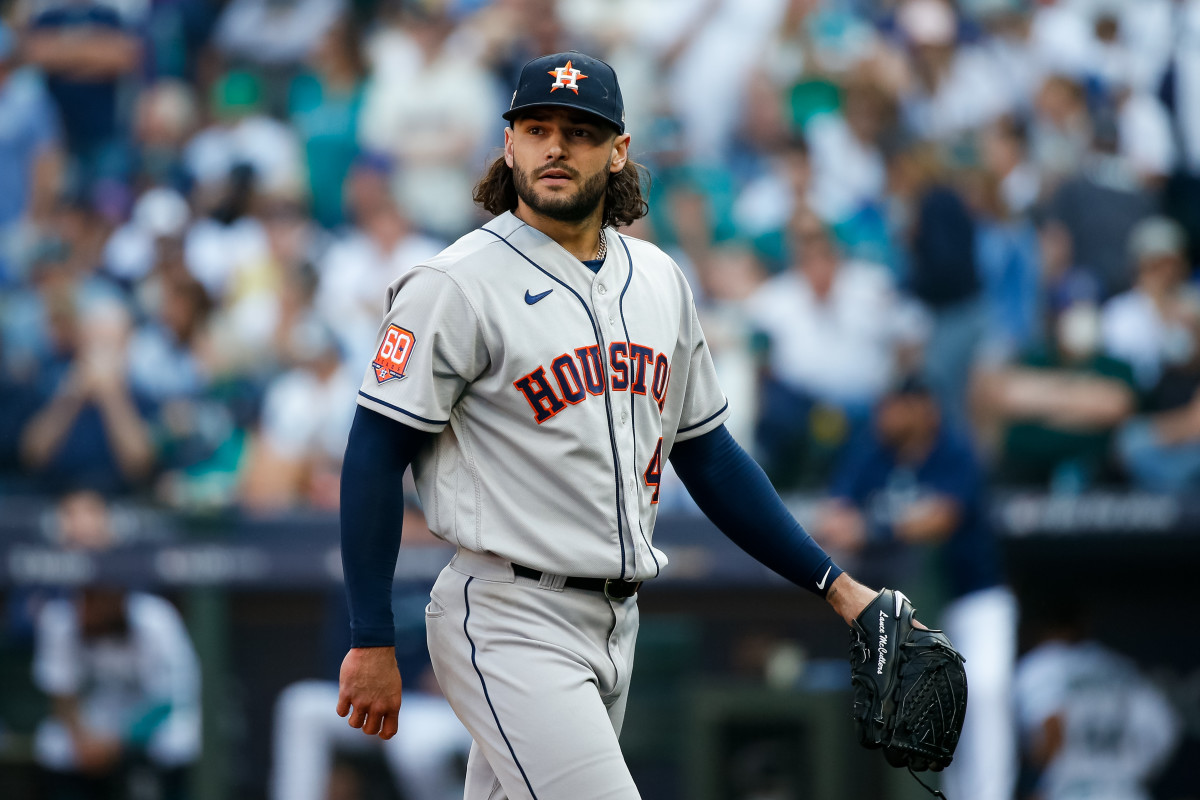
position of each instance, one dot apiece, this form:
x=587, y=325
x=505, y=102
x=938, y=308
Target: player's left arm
x=734, y=492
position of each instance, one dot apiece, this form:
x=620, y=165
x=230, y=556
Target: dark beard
x=563, y=209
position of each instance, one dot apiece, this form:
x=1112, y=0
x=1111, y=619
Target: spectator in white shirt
x=122, y=677
x=848, y=165
x=833, y=333
x=957, y=88
x=356, y=270
x=430, y=105
x=1092, y=725
x=296, y=455
x=1154, y=326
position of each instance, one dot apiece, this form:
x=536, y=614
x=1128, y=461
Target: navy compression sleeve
x=372, y=508
x=733, y=491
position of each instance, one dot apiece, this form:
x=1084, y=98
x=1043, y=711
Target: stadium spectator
x=30, y=154
x=831, y=331
x=269, y=287
x=1144, y=131
x=1094, y=211
x=1007, y=248
x=428, y=755
x=18, y=403
x=849, y=171
x=1060, y=129
x=297, y=452
x=242, y=136
x=1155, y=326
x=356, y=270
x=159, y=219
x=122, y=677
x=165, y=118
x=706, y=54
x=1051, y=413
x=954, y=88
x=324, y=105
x=430, y=107
x=91, y=428
x=89, y=57
x=1092, y=724
x=1169, y=47
x=765, y=203
x=1004, y=148
x=268, y=33
x=910, y=486
x=942, y=273
x=166, y=360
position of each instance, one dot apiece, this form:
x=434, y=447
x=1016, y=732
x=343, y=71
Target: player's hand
x=849, y=597
x=369, y=684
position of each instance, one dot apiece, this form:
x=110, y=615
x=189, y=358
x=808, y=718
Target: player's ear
x=508, y=146
x=620, y=153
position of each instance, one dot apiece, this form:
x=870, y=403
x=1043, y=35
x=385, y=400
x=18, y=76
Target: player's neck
x=580, y=239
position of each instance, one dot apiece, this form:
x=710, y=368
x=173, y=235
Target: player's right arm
x=378, y=452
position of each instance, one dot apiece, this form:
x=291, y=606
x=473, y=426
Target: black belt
x=612, y=588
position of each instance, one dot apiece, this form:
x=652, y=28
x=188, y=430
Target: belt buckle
x=632, y=588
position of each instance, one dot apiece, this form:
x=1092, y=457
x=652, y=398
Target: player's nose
x=556, y=146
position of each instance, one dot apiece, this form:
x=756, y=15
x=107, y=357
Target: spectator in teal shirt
x=324, y=106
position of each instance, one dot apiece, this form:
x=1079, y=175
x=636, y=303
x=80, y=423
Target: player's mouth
x=555, y=177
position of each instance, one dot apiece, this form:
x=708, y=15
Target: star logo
x=566, y=77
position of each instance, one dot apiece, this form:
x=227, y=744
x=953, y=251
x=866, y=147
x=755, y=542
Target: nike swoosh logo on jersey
x=533, y=298
x=825, y=577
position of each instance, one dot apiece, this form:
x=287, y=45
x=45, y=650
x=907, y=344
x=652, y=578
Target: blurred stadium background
x=980, y=217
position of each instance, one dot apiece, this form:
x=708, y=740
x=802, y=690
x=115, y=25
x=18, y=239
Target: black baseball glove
x=910, y=689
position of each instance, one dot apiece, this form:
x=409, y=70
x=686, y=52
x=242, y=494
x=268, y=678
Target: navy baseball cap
x=570, y=80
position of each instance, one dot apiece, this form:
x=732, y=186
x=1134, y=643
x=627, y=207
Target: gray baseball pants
x=538, y=674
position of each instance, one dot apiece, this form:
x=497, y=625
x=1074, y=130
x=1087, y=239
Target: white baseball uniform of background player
x=551, y=391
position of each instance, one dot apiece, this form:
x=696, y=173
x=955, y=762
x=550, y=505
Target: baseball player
x=536, y=375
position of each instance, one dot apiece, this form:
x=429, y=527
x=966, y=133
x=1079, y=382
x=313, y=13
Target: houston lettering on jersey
x=572, y=377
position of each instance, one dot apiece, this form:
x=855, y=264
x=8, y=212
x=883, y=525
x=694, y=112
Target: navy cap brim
x=513, y=113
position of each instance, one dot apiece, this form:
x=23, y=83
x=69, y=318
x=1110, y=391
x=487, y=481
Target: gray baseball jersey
x=556, y=395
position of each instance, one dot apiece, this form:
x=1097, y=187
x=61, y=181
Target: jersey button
x=612, y=321
x=602, y=289
x=624, y=416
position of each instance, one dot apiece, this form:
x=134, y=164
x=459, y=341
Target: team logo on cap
x=392, y=356
x=566, y=77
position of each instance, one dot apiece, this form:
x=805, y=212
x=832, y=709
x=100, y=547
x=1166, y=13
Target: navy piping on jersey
x=704, y=421
x=612, y=434
x=632, y=409
x=402, y=411
x=486, y=695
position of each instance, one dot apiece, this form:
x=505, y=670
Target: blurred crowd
x=937, y=246
x=201, y=204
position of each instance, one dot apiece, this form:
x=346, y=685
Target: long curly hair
x=623, y=201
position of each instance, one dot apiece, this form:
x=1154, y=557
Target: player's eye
x=581, y=132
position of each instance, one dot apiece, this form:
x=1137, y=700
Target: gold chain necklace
x=602, y=250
